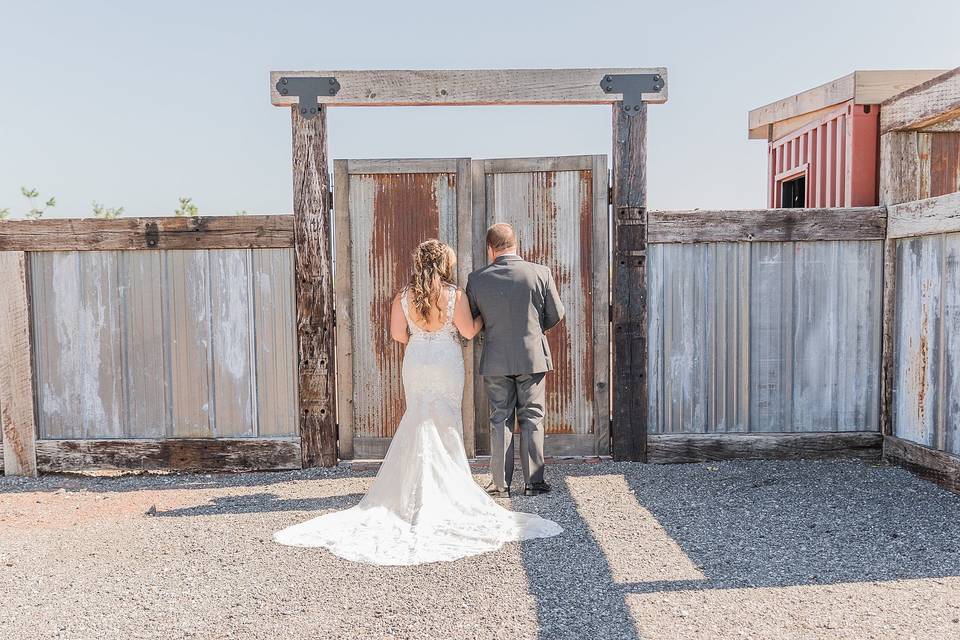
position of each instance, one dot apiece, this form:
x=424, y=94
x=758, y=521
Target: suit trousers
x=519, y=398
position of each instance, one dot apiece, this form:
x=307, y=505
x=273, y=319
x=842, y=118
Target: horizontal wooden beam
x=924, y=217
x=194, y=454
x=666, y=448
x=926, y=104
x=467, y=87
x=94, y=234
x=767, y=225
x=930, y=464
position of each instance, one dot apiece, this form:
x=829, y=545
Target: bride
x=423, y=505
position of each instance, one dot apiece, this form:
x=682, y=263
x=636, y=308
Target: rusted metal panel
x=944, y=162
x=390, y=213
x=552, y=213
x=926, y=386
x=153, y=344
x=764, y=337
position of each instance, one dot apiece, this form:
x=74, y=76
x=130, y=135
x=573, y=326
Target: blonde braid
x=432, y=269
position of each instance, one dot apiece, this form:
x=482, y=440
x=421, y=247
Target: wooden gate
x=384, y=208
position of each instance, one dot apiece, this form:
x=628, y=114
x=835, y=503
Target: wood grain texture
x=767, y=225
x=600, y=280
x=925, y=217
x=16, y=368
x=935, y=466
x=91, y=234
x=467, y=87
x=671, y=448
x=343, y=284
x=464, y=248
x=313, y=271
x=888, y=333
x=200, y=454
x=629, y=291
x=933, y=101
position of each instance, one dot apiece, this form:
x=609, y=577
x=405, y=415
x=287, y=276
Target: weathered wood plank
x=314, y=290
x=92, y=234
x=630, y=384
x=197, y=454
x=16, y=368
x=925, y=217
x=888, y=335
x=343, y=285
x=935, y=466
x=526, y=165
x=464, y=248
x=923, y=105
x=399, y=165
x=467, y=87
x=767, y=225
x=671, y=448
x=600, y=299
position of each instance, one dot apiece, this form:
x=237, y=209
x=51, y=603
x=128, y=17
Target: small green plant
x=36, y=212
x=4, y=214
x=241, y=212
x=105, y=213
x=186, y=209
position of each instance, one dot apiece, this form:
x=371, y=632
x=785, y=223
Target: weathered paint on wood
x=164, y=344
x=767, y=225
x=313, y=270
x=925, y=104
x=926, y=384
x=91, y=234
x=672, y=448
x=466, y=87
x=559, y=218
x=17, y=424
x=915, y=165
x=929, y=464
x=629, y=290
x=764, y=337
x=383, y=214
x=925, y=217
x=198, y=454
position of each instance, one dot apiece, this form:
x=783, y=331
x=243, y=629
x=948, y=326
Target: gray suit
x=519, y=302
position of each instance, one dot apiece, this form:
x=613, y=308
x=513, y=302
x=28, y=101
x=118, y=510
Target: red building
x=823, y=145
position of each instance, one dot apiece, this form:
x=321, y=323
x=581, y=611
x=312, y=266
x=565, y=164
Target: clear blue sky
x=133, y=104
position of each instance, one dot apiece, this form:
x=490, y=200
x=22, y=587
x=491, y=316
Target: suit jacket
x=519, y=302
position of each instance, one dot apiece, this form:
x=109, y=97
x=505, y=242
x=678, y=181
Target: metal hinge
x=330, y=199
x=308, y=90
x=610, y=194
x=632, y=86
x=610, y=313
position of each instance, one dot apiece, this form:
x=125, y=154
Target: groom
x=519, y=302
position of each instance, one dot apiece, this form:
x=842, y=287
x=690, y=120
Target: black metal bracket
x=632, y=86
x=308, y=90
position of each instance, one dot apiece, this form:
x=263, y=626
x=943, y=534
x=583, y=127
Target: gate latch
x=308, y=90
x=632, y=86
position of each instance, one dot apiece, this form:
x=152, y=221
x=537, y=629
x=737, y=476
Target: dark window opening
x=793, y=193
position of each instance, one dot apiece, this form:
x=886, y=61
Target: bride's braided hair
x=432, y=268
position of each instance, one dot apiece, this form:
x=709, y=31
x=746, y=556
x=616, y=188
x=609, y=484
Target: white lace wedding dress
x=424, y=505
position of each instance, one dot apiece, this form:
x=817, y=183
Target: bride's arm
x=466, y=324
x=398, y=322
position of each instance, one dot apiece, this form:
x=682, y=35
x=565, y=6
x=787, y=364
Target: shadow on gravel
x=745, y=524
x=263, y=503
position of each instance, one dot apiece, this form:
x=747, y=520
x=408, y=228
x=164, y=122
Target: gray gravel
x=786, y=549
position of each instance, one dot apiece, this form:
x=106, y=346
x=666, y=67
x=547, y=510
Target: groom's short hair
x=501, y=236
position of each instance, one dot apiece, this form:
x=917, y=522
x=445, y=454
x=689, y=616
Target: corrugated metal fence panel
x=148, y=344
x=764, y=337
x=927, y=342
x=551, y=212
x=390, y=214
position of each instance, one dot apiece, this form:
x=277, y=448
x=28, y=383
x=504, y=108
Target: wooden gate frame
x=313, y=247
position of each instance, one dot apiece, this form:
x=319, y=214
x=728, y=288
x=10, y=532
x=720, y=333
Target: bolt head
x=626, y=107
x=283, y=91
x=283, y=80
x=608, y=79
x=333, y=92
x=332, y=81
x=303, y=110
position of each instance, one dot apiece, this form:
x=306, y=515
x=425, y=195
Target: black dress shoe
x=536, y=489
x=498, y=493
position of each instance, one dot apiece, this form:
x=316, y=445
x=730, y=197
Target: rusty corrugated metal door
x=558, y=207
x=383, y=209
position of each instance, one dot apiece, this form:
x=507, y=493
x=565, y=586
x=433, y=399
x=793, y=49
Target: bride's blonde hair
x=433, y=263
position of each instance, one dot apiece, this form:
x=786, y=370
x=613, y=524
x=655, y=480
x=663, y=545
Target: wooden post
x=629, y=284
x=314, y=290
x=16, y=370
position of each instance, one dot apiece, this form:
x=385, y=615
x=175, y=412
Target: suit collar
x=510, y=257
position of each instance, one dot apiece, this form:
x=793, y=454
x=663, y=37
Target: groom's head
x=500, y=240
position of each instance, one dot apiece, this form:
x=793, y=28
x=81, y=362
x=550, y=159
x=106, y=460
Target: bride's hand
x=463, y=319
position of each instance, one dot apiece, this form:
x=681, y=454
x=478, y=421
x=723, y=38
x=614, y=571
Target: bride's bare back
x=463, y=319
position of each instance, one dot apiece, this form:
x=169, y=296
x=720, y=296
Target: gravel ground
x=837, y=549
